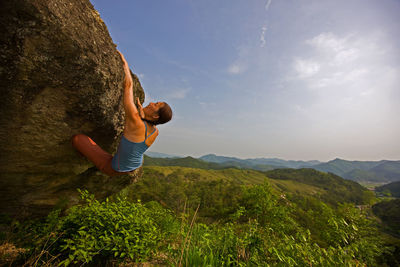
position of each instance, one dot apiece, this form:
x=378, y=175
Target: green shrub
x=109, y=230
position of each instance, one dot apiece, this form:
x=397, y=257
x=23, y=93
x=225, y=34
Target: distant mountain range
x=271, y=162
x=161, y=155
x=383, y=171
x=372, y=171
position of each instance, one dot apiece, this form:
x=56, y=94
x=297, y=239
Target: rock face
x=59, y=75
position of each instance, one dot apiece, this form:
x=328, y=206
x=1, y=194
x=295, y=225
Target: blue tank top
x=129, y=155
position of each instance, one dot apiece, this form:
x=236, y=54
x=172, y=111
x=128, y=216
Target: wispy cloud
x=179, y=93
x=327, y=41
x=348, y=76
x=268, y=4
x=262, y=36
x=341, y=50
x=338, y=61
x=237, y=68
x=206, y=105
x=305, y=68
x=240, y=64
x=264, y=27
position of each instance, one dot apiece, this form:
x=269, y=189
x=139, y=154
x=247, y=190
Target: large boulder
x=60, y=75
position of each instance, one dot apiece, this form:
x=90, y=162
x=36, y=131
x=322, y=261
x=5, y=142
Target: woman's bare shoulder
x=150, y=140
x=134, y=131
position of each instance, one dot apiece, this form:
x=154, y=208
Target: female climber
x=139, y=133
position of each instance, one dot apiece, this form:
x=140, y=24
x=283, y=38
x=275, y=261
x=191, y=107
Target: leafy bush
x=389, y=213
x=105, y=230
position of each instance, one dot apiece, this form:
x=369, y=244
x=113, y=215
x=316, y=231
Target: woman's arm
x=131, y=112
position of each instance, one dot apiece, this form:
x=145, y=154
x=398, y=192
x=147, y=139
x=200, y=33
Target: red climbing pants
x=93, y=152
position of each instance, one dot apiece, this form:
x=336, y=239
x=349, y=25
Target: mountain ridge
x=382, y=171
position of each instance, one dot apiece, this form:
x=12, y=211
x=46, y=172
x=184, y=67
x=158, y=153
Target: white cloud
x=237, y=68
x=346, y=78
x=327, y=41
x=340, y=78
x=179, y=93
x=264, y=28
x=262, y=37
x=346, y=55
x=206, y=105
x=305, y=68
x=337, y=50
x=240, y=64
x=268, y=4
x=340, y=62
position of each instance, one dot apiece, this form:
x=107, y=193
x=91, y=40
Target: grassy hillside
x=183, y=162
x=336, y=188
x=218, y=192
x=389, y=213
x=360, y=171
x=392, y=189
x=362, y=175
x=241, y=177
x=246, y=165
x=198, y=163
x=328, y=187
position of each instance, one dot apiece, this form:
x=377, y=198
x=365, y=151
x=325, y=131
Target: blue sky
x=250, y=78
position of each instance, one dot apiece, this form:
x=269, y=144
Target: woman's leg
x=93, y=152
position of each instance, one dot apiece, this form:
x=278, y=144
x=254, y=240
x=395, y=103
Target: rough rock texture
x=59, y=75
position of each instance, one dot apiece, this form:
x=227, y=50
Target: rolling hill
x=327, y=186
x=383, y=171
x=183, y=162
x=273, y=163
x=392, y=188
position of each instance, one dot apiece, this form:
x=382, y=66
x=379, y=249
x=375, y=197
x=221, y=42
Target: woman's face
x=153, y=107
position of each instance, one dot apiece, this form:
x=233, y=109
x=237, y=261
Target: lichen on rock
x=60, y=75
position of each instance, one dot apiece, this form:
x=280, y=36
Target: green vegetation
x=389, y=213
x=362, y=175
x=392, y=189
x=183, y=162
x=360, y=171
x=201, y=164
x=326, y=186
x=338, y=190
x=179, y=216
